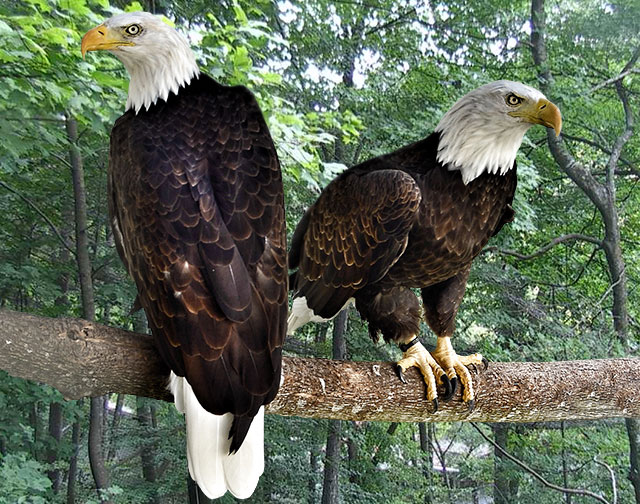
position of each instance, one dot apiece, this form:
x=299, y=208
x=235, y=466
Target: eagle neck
x=473, y=145
x=162, y=72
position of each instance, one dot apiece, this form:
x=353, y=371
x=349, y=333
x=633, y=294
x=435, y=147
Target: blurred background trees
x=339, y=81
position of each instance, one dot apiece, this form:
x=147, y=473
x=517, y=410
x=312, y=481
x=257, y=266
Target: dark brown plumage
x=391, y=224
x=396, y=222
x=195, y=197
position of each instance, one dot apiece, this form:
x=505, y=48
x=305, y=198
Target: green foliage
x=338, y=82
x=22, y=480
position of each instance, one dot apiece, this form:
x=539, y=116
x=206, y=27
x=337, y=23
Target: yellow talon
x=418, y=356
x=456, y=365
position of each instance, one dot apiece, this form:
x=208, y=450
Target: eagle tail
x=301, y=314
x=211, y=465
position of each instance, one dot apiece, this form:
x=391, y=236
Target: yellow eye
x=513, y=100
x=133, y=29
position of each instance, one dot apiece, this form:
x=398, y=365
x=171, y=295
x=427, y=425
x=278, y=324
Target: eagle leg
x=455, y=366
x=416, y=355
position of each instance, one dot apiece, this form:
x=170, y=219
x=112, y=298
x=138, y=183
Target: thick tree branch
x=82, y=358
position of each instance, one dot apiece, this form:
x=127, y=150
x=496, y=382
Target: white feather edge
x=210, y=464
x=300, y=314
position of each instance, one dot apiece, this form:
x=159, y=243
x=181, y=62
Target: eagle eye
x=134, y=29
x=513, y=100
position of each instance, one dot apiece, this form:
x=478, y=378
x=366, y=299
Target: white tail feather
x=300, y=314
x=210, y=464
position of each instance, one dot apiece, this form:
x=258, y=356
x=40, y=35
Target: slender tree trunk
x=113, y=431
x=96, y=456
x=55, y=432
x=603, y=196
x=313, y=470
x=82, y=238
x=353, y=454
x=330, y=487
x=56, y=408
x=426, y=446
x=73, y=462
x=148, y=453
x=35, y=426
x=565, y=469
x=504, y=485
x=633, y=431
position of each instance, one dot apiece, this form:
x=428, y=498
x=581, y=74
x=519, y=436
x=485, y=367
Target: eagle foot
x=455, y=366
x=418, y=356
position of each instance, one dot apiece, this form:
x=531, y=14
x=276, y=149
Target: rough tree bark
x=82, y=358
x=96, y=411
x=603, y=197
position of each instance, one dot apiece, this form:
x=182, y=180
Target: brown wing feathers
x=200, y=207
x=401, y=220
x=352, y=236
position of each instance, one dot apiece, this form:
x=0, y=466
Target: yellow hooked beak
x=101, y=38
x=544, y=112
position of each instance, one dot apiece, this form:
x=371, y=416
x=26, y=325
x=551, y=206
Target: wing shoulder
x=357, y=229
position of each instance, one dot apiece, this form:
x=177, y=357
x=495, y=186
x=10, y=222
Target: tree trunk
x=353, y=454
x=330, y=487
x=55, y=432
x=96, y=456
x=633, y=431
x=426, y=446
x=73, y=462
x=313, y=470
x=505, y=486
x=565, y=469
x=603, y=197
x=113, y=431
x=148, y=453
x=34, y=421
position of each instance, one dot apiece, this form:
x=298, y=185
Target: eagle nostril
x=543, y=106
x=101, y=32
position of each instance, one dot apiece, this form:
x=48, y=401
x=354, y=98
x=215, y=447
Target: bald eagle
x=196, y=205
x=415, y=219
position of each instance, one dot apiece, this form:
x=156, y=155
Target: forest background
x=339, y=82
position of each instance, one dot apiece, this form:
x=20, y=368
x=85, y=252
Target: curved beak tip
x=550, y=116
x=92, y=39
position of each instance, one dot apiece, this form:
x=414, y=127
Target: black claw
x=486, y=363
x=435, y=404
x=447, y=384
x=452, y=389
x=400, y=374
x=472, y=404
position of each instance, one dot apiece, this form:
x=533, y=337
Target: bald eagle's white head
x=158, y=59
x=483, y=130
